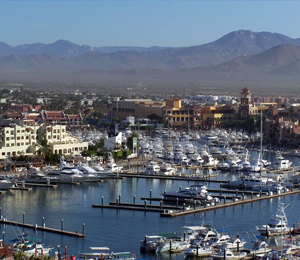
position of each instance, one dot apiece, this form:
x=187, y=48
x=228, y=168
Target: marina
x=120, y=208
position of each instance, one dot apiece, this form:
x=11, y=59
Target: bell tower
x=245, y=96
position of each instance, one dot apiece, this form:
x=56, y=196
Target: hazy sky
x=142, y=23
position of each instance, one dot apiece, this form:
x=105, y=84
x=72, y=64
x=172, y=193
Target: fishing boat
x=196, y=250
x=192, y=193
x=248, y=182
x=227, y=254
x=277, y=225
x=260, y=248
x=172, y=246
x=280, y=163
x=231, y=243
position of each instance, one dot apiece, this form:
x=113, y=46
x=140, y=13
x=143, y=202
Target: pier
x=43, y=227
x=193, y=207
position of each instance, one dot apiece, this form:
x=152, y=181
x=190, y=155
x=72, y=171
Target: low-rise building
x=19, y=139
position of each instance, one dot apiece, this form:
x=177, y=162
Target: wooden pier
x=43, y=228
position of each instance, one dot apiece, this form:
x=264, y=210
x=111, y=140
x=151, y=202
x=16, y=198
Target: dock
x=43, y=228
x=204, y=178
x=45, y=185
x=193, y=207
x=224, y=205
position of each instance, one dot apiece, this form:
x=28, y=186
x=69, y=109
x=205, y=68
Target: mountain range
x=236, y=59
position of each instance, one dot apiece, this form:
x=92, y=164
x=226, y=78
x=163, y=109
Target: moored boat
x=277, y=225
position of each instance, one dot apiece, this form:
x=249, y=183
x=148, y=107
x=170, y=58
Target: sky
x=142, y=23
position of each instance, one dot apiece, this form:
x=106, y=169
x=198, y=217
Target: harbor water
x=70, y=206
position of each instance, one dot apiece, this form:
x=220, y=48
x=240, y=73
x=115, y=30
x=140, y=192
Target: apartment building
x=19, y=139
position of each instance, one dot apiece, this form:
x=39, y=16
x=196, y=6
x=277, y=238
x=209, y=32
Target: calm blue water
x=122, y=230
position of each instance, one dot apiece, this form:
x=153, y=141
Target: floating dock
x=185, y=209
x=43, y=228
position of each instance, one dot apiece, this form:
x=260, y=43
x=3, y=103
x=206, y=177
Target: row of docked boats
x=204, y=241
x=66, y=172
x=258, y=182
x=211, y=149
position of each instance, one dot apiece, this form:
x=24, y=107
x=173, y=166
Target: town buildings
x=26, y=139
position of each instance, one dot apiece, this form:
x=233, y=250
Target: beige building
x=16, y=140
x=138, y=108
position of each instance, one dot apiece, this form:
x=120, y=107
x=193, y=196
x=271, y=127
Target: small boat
x=196, y=250
x=31, y=246
x=172, y=246
x=227, y=254
x=105, y=253
x=5, y=183
x=277, y=225
x=150, y=243
x=259, y=249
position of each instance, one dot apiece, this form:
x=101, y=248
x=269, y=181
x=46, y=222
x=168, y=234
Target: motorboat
x=87, y=176
x=5, y=183
x=40, y=177
x=192, y=193
x=152, y=167
x=89, y=172
x=66, y=175
x=35, y=175
x=167, y=169
x=150, y=242
x=226, y=253
x=280, y=163
x=273, y=187
x=31, y=246
x=248, y=181
x=172, y=246
x=105, y=254
x=232, y=243
x=277, y=225
x=196, y=250
x=259, y=249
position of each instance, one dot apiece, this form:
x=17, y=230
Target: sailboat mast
x=261, y=136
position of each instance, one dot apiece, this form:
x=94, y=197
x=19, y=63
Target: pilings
x=179, y=210
x=43, y=226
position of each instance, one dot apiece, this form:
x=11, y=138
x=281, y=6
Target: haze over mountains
x=237, y=59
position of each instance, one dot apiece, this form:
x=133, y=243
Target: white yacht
x=194, y=192
x=248, y=181
x=167, y=169
x=90, y=174
x=87, y=176
x=280, y=163
x=277, y=225
x=66, y=175
x=152, y=167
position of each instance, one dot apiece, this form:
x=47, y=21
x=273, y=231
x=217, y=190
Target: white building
x=16, y=140
x=111, y=142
